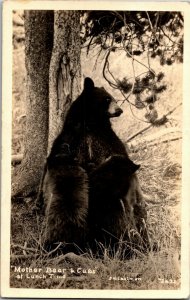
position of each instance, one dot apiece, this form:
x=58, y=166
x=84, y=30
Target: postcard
x=95, y=150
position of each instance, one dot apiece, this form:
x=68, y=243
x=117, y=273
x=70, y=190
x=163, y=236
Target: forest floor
x=160, y=178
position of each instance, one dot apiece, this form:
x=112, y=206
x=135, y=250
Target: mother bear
x=90, y=190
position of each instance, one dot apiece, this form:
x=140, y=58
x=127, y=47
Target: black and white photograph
x=94, y=150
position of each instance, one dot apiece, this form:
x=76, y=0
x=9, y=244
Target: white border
x=6, y=291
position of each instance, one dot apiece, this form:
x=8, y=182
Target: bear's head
x=113, y=178
x=98, y=102
x=116, y=165
x=93, y=108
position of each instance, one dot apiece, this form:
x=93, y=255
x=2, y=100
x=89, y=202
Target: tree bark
x=65, y=69
x=38, y=48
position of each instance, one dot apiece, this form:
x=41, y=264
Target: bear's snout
x=114, y=110
x=118, y=112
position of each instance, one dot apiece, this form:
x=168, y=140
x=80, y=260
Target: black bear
x=87, y=128
x=95, y=156
x=65, y=193
x=116, y=212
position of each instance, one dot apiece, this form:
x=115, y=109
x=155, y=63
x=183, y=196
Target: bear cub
x=109, y=204
x=65, y=192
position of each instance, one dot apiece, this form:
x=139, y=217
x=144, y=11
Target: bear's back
x=97, y=146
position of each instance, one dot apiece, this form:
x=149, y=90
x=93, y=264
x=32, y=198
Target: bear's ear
x=88, y=84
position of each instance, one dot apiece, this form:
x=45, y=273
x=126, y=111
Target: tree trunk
x=38, y=48
x=65, y=69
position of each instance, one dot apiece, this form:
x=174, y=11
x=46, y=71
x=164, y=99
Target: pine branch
x=151, y=125
x=139, y=132
x=166, y=140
